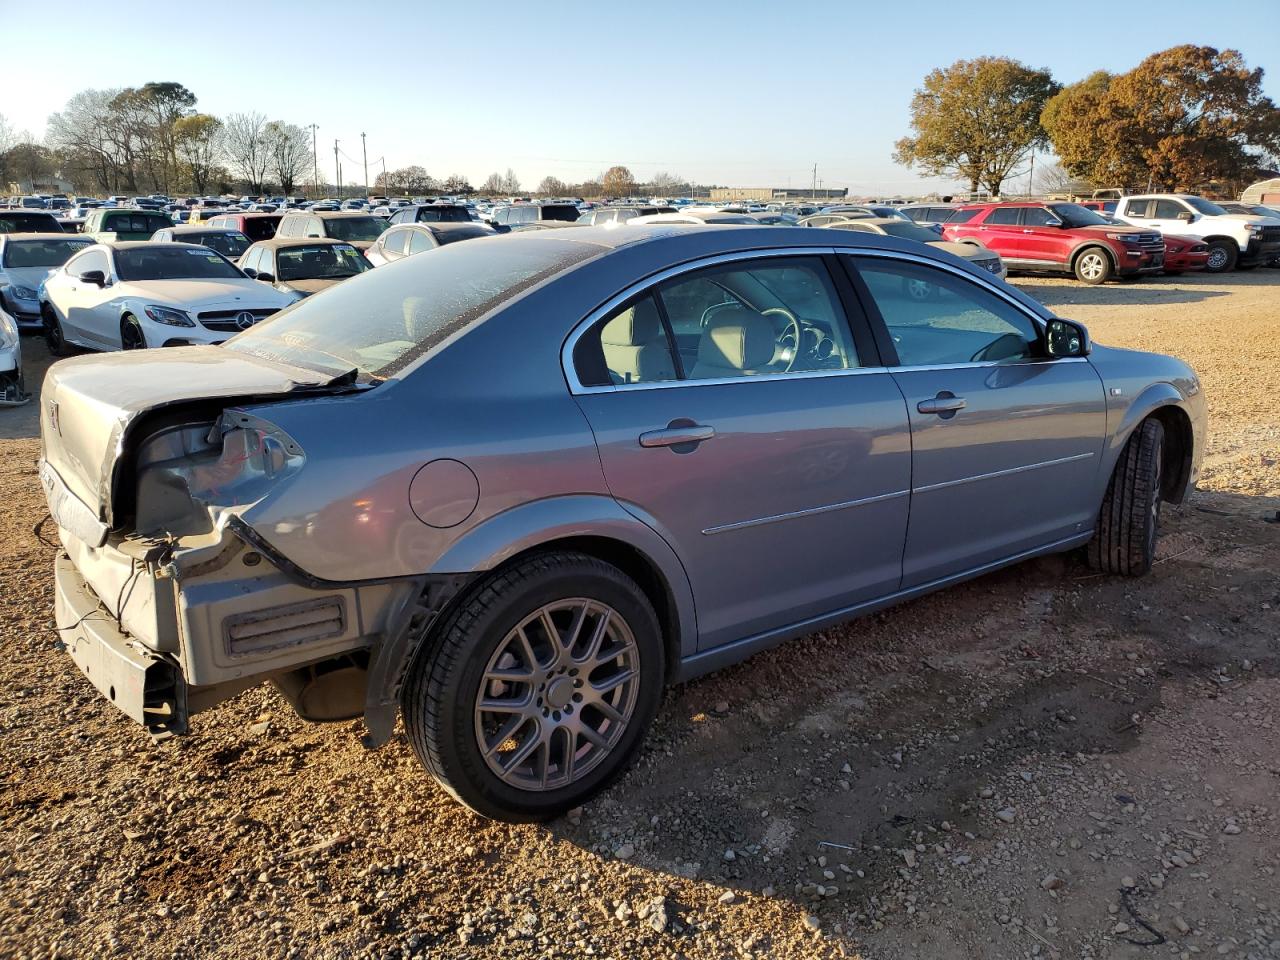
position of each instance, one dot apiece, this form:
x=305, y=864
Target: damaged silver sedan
x=513, y=489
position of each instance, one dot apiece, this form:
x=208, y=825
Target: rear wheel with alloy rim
x=535, y=692
x=1093, y=266
x=131, y=335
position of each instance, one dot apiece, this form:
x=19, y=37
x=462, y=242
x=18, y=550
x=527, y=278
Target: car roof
x=131, y=244
x=479, y=229
x=276, y=243
x=187, y=230
x=329, y=214
x=41, y=235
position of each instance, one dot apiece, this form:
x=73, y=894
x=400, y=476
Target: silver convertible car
x=514, y=488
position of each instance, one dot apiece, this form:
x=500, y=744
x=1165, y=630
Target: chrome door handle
x=1028, y=231
x=941, y=405
x=674, y=436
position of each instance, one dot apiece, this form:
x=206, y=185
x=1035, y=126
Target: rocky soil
x=1040, y=763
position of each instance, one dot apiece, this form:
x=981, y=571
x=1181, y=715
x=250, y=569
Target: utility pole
x=1032, y=175
x=815, y=181
x=337, y=169
x=365, y=154
x=315, y=163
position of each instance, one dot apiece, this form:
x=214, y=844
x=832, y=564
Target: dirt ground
x=1039, y=763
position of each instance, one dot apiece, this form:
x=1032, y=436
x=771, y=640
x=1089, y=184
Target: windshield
x=1074, y=215
x=355, y=228
x=443, y=214
x=183, y=262
x=381, y=322
x=909, y=231
x=321, y=261
x=29, y=223
x=230, y=245
x=42, y=253
x=1201, y=205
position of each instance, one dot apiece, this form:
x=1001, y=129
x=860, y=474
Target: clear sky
x=745, y=93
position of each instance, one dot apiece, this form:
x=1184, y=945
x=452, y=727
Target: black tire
x=1124, y=540
x=1093, y=266
x=53, y=336
x=447, y=676
x=1223, y=255
x=131, y=335
x=1245, y=266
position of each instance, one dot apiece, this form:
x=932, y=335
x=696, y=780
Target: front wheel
x=1093, y=266
x=537, y=690
x=131, y=335
x=54, y=338
x=1223, y=255
x=1124, y=540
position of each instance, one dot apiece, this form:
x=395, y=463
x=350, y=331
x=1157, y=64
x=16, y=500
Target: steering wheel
x=793, y=327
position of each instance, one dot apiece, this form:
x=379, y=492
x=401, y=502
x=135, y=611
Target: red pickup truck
x=1059, y=238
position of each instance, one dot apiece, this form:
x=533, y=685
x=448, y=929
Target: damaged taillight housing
x=189, y=473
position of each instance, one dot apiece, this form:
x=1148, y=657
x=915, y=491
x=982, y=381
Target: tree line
x=1190, y=118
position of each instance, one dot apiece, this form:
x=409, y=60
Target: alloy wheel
x=1092, y=266
x=557, y=694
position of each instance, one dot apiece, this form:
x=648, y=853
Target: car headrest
x=737, y=338
x=633, y=327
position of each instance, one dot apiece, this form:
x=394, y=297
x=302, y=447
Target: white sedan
x=127, y=296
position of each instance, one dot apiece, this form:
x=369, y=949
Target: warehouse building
x=777, y=193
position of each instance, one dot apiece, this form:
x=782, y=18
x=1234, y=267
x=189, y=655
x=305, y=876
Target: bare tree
x=248, y=147
x=552, y=187
x=494, y=185
x=8, y=136
x=457, y=184
x=290, y=151
x=511, y=183
x=90, y=139
x=664, y=184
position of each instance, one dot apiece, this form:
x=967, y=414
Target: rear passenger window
x=937, y=318
x=1137, y=208
x=630, y=345
x=1003, y=215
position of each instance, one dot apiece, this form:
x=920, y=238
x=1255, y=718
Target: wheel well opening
x=1177, y=450
x=1216, y=239
x=639, y=568
x=1093, y=246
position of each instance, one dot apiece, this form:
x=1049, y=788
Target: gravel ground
x=1039, y=763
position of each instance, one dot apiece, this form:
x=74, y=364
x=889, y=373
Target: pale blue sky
x=747, y=93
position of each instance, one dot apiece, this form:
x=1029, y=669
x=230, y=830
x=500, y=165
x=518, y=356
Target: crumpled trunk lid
x=89, y=404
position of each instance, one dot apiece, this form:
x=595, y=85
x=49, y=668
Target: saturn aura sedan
x=132, y=295
x=514, y=488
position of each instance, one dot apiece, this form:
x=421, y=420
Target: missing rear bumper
x=145, y=686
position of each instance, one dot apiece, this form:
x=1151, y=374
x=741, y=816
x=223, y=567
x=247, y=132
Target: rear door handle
x=674, y=436
x=942, y=405
x=1028, y=231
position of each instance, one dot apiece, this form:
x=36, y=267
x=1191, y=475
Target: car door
x=1006, y=443
x=1001, y=230
x=84, y=304
x=779, y=476
x=1043, y=238
x=1167, y=216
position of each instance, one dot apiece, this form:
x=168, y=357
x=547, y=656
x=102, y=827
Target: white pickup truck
x=1234, y=240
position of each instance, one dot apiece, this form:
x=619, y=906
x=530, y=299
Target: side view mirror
x=95, y=277
x=265, y=277
x=1186, y=216
x=1066, y=338
x=251, y=273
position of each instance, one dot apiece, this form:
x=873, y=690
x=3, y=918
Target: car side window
x=396, y=241
x=1168, y=210
x=957, y=216
x=629, y=345
x=1136, y=208
x=1003, y=215
x=770, y=316
x=1038, y=217
x=89, y=260
x=419, y=240
x=252, y=259
x=935, y=317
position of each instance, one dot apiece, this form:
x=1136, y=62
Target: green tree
x=198, y=145
x=976, y=119
x=1184, y=118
